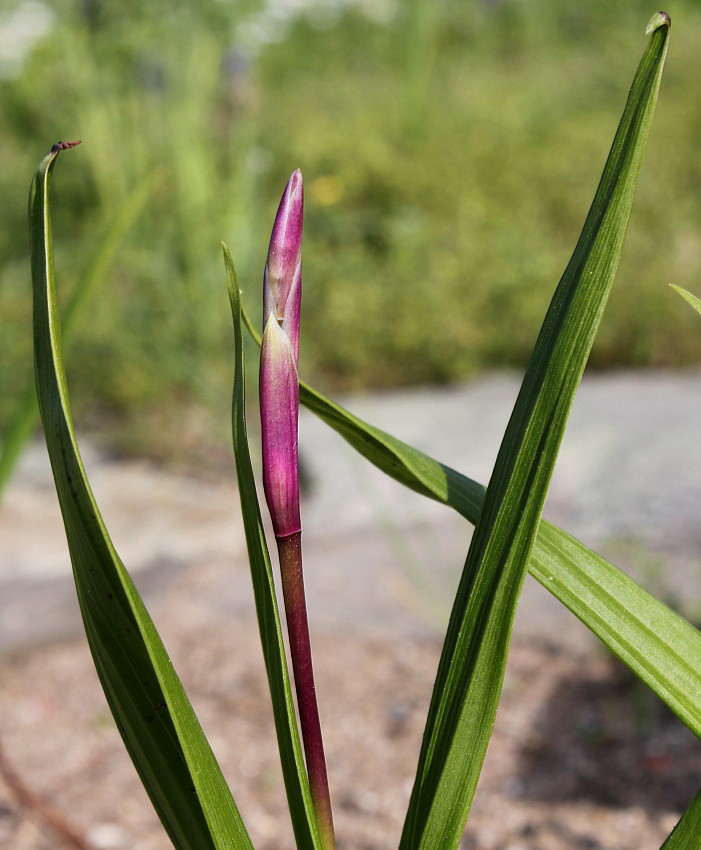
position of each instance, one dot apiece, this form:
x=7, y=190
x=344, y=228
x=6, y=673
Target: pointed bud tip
x=295, y=186
x=659, y=19
x=291, y=208
x=286, y=239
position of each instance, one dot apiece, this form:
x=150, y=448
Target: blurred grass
x=450, y=151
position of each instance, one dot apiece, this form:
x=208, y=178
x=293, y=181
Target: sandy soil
x=582, y=756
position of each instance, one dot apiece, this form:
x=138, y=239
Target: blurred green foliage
x=450, y=151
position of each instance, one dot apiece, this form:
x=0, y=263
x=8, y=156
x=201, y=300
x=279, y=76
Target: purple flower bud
x=279, y=408
x=279, y=390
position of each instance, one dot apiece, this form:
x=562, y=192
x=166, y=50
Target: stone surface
x=378, y=557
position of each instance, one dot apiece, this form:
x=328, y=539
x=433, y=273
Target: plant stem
x=290, y=552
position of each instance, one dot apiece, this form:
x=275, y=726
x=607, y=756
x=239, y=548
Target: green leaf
x=150, y=707
x=294, y=771
x=688, y=297
x=658, y=645
x=470, y=674
x=685, y=835
x=26, y=416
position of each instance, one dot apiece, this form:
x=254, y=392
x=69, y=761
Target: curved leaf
x=685, y=835
x=150, y=707
x=688, y=297
x=658, y=645
x=471, y=671
x=26, y=415
x=294, y=771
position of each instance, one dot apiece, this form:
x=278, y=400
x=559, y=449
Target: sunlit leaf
x=688, y=297
x=293, y=768
x=25, y=417
x=470, y=674
x=150, y=707
x=658, y=645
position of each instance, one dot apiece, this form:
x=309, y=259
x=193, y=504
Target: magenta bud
x=279, y=389
x=279, y=405
x=279, y=411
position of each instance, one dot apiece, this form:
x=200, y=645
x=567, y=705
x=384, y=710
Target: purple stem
x=290, y=552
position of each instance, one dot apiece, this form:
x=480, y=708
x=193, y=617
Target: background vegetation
x=450, y=151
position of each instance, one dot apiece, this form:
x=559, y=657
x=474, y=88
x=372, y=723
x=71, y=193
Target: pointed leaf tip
x=152, y=711
x=659, y=19
x=688, y=297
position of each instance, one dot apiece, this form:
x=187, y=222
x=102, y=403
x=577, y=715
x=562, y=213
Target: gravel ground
x=581, y=756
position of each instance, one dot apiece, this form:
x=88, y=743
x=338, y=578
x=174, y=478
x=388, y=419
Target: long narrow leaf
x=294, y=771
x=658, y=645
x=685, y=835
x=26, y=415
x=151, y=709
x=471, y=670
x=688, y=297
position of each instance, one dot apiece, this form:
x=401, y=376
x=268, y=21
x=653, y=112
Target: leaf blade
x=624, y=616
x=688, y=297
x=153, y=714
x=295, y=776
x=25, y=419
x=470, y=674
x=685, y=835
x=608, y=602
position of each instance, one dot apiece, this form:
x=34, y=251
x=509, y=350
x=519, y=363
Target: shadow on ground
x=609, y=740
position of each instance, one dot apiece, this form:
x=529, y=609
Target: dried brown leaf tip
x=64, y=146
